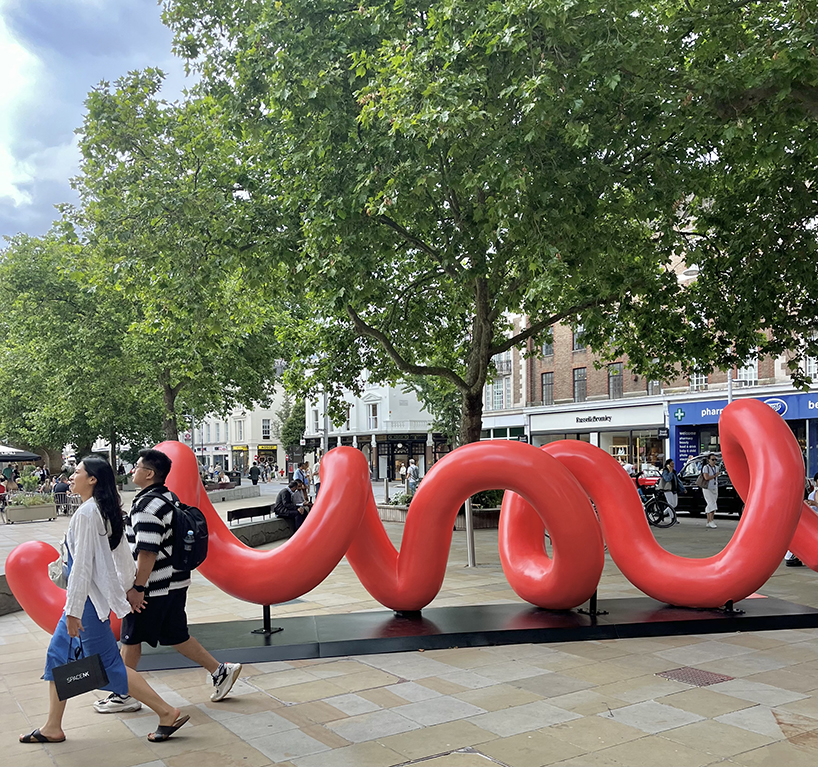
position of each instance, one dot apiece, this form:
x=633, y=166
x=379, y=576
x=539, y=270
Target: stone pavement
x=582, y=703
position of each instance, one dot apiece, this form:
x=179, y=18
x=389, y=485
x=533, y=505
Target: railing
x=401, y=426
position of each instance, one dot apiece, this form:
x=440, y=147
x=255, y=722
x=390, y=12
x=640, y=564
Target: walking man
x=159, y=593
x=255, y=473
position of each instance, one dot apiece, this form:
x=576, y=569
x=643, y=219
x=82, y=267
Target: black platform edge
x=366, y=633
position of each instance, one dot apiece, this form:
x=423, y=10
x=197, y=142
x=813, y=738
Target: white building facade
x=387, y=424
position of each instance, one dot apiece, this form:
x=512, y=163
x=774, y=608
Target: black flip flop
x=35, y=736
x=164, y=731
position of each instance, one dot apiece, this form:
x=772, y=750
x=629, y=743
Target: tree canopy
x=438, y=165
x=164, y=224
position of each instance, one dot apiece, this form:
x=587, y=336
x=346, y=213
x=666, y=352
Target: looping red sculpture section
x=549, y=489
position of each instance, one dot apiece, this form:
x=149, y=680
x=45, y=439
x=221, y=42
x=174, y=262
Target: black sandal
x=164, y=731
x=35, y=736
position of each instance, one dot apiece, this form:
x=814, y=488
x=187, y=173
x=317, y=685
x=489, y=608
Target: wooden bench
x=234, y=515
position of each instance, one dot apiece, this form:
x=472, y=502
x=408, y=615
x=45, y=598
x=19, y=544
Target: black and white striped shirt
x=149, y=527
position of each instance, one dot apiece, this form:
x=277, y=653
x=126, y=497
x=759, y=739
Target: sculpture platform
x=365, y=633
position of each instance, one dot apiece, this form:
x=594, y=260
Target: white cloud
x=21, y=71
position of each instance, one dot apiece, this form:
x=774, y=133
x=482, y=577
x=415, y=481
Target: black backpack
x=189, y=551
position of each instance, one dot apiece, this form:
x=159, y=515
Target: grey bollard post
x=386, y=490
x=469, y=535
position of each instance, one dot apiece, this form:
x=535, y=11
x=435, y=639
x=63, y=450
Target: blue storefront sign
x=686, y=417
x=788, y=406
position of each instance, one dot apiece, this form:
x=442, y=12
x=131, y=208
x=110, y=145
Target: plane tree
x=424, y=170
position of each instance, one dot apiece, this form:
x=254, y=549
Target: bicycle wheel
x=663, y=514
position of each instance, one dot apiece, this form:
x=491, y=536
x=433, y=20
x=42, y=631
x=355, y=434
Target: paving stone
x=376, y=725
x=652, y=717
x=531, y=716
x=438, y=710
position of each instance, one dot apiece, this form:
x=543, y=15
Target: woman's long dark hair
x=106, y=495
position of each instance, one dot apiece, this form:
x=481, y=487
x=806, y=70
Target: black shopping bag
x=80, y=674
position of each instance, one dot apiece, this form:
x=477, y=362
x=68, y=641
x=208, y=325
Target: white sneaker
x=117, y=704
x=712, y=524
x=224, y=679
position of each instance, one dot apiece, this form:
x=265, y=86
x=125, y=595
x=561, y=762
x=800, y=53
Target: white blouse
x=96, y=571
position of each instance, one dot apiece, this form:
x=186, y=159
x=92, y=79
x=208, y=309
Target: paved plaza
x=570, y=703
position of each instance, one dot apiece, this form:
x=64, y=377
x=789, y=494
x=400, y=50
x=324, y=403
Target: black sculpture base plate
x=324, y=636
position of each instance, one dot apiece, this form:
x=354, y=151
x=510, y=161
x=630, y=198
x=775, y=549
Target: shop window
x=580, y=384
x=547, y=388
x=265, y=428
x=615, y=388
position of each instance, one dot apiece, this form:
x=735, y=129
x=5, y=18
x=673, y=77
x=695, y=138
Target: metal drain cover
x=695, y=676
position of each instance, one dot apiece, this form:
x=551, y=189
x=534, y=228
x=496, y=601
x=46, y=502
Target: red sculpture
x=549, y=489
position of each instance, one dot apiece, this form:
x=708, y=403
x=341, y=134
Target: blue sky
x=52, y=52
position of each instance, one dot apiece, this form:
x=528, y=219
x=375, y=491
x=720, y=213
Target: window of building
x=580, y=384
x=207, y=432
x=265, y=428
x=502, y=363
x=811, y=368
x=547, y=380
x=615, y=387
x=316, y=426
x=497, y=398
x=239, y=431
x=654, y=388
x=218, y=431
x=372, y=415
x=747, y=375
x=698, y=382
x=579, y=342
x=548, y=344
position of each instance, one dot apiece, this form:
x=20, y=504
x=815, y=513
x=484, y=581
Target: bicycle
x=658, y=511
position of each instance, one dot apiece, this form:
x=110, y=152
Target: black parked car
x=693, y=501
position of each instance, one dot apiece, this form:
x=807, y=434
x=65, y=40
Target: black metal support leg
x=267, y=628
x=592, y=608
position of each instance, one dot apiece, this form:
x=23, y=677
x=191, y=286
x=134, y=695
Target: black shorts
x=163, y=621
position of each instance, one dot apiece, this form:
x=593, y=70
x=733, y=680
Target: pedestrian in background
x=710, y=491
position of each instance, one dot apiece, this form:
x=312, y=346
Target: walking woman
x=710, y=491
x=100, y=570
x=671, y=484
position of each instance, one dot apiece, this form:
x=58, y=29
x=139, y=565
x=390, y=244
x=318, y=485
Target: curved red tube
x=549, y=489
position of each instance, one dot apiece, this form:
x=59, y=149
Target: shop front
x=394, y=449
x=221, y=457
x=634, y=434
x=694, y=425
x=240, y=458
x=267, y=453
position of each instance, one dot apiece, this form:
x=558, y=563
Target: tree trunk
x=170, y=426
x=86, y=448
x=113, y=449
x=471, y=418
x=53, y=458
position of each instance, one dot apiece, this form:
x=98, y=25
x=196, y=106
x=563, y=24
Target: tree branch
x=539, y=326
x=402, y=365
